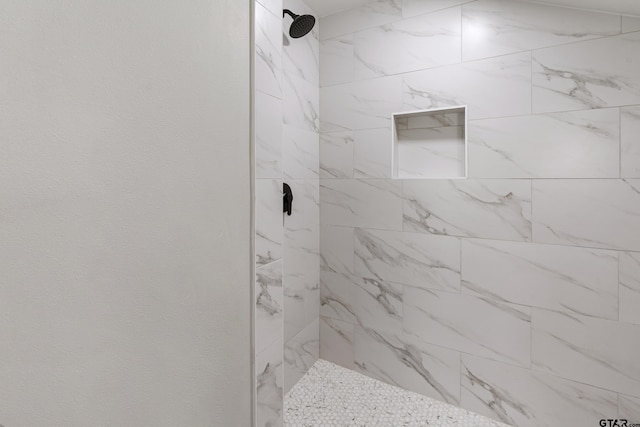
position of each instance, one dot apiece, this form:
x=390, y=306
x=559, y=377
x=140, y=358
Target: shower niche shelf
x=430, y=144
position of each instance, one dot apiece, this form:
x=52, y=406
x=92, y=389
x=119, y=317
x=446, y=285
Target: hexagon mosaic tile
x=329, y=395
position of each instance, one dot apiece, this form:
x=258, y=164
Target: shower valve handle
x=287, y=199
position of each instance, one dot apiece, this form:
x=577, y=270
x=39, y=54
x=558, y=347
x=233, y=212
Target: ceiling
x=623, y=7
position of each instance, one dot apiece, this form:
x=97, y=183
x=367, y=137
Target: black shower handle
x=287, y=199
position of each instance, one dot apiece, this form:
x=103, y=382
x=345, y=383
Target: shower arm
x=288, y=12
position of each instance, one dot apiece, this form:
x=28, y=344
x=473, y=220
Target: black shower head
x=301, y=24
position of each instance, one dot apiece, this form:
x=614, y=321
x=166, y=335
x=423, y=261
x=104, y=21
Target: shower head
x=301, y=24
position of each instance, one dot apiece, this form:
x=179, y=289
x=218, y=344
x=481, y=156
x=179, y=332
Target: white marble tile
x=337, y=108
x=336, y=267
x=597, y=352
x=336, y=60
x=435, y=152
x=371, y=14
x=301, y=256
x=404, y=361
x=362, y=203
x=596, y=73
x=374, y=102
x=425, y=41
x=269, y=305
x=301, y=103
x=268, y=52
x=305, y=214
x=377, y=304
x=492, y=209
x=337, y=296
x=630, y=146
x=268, y=131
x=312, y=298
x=273, y=6
x=630, y=24
x=524, y=398
x=629, y=408
x=579, y=144
x=336, y=249
x=337, y=341
x=301, y=57
x=269, y=386
x=268, y=218
x=372, y=153
x=301, y=281
x=300, y=353
x=336, y=155
x=300, y=157
x=294, y=301
x=482, y=327
x=415, y=259
x=495, y=87
x=499, y=27
x=593, y=213
x=630, y=287
x=332, y=396
x=569, y=279
x=361, y=105
x=419, y=7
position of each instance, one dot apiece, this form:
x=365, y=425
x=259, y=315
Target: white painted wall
x=124, y=213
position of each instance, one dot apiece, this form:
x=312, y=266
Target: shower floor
x=329, y=395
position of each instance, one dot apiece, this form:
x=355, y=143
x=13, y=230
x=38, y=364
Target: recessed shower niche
x=430, y=144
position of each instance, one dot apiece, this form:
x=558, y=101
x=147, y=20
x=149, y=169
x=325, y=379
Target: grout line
x=476, y=295
x=461, y=35
x=547, y=3
x=479, y=178
x=531, y=339
x=460, y=375
x=620, y=142
x=621, y=19
x=402, y=206
x=545, y=113
x=631, y=32
x=494, y=239
x=548, y=113
x=618, y=287
x=404, y=73
x=531, y=81
x=531, y=220
x=485, y=58
x=460, y=5
x=461, y=265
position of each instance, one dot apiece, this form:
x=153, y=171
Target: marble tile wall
x=301, y=168
x=269, y=232
x=287, y=291
x=514, y=293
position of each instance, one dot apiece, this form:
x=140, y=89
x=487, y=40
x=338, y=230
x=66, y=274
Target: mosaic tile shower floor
x=329, y=395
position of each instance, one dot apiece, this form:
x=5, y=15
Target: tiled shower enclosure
x=514, y=293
